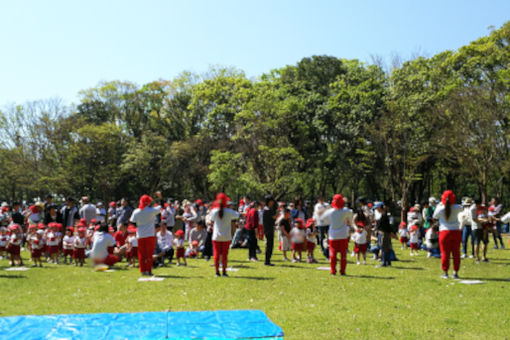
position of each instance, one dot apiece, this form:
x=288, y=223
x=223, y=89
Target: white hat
x=432, y=199
x=40, y=232
x=5, y=204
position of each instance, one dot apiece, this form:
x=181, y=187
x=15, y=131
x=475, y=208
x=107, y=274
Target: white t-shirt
x=338, y=220
x=68, y=242
x=359, y=238
x=473, y=214
x=132, y=240
x=309, y=235
x=452, y=223
x=88, y=212
x=36, y=243
x=52, y=239
x=144, y=220
x=179, y=242
x=297, y=235
x=101, y=242
x=413, y=237
x=3, y=240
x=165, y=241
x=318, y=211
x=80, y=242
x=403, y=232
x=222, y=227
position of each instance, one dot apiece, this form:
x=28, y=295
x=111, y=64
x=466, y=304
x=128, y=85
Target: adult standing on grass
x=449, y=232
x=251, y=225
x=221, y=217
x=322, y=226
x=384, y=227
x=479, y=236
x=144, y=218
x=338, y=218
x=268, y=220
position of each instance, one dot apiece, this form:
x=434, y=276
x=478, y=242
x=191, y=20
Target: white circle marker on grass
x=16, y=269
x=151, y=279
x=323, y=268
x=471, y=282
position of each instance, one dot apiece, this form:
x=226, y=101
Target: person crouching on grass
x=449, y=232
x=14, y=245
x=338, y=218
x=297, y=235
x=311, y=236
x=360, y=243
x=79, y=245
x=100, y=243
x=36, y=242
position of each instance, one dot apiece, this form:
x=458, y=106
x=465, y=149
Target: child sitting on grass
x=404, y=235
x=297, y=236
x=360, y=242
x=179, y=246
x=414, y=238
x=311, y=235
x=36, y=242
x=68, y=245
x=80, y=243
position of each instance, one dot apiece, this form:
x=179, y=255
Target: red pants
x=449, y=243
x=220, y=248
x=335, y=247
x=67, y=252
x=146, y=246
x=260, y=232
x=110, y=260
x=79, y=253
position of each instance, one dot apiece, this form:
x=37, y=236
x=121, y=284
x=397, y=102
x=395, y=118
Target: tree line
x=322, y=126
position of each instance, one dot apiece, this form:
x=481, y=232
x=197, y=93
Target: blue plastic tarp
x=238, y=324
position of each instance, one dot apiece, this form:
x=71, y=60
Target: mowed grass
x=406, y=301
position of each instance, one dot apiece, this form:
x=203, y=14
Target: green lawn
x=407, y=301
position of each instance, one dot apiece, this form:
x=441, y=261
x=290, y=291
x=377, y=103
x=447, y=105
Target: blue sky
x=56, y=48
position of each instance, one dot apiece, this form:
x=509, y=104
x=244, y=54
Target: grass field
x=406, y=301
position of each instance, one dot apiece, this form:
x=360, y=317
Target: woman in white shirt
x=449, y=232
x=338, y=219
x=144, y=218
x=221, y=217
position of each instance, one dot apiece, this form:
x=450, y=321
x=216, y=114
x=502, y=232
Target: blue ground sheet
x=235, y=324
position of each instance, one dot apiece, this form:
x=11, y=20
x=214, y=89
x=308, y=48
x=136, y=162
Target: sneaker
x=455, y=276
x=34, y=265
x=444, y=276
x=485, y=260
x=364, y=262
x=294, y=260
x=225, y=274
x=177, y=264
x=429, y=255
x=471, y=256
x=315, y=261
x=254, y=259
x=217, y=274
x=463, y=256
x=40, y=265
x=81, y=264
x=269, y=264
x=411, y=254
x=358, y=263
x=496, y=247
x=353, y=254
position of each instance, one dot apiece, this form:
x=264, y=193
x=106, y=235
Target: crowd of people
x=158, y=230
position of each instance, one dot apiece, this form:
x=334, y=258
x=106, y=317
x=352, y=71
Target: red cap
x=83, y=220
x=96, y=228
x=194, y=243
x=32, y=226
x=179, y=233
x=14, y=227
x=111, y=230
x=131, y=229
x=71, y=229
x=299, y=222
x=112, y=204
x=42, y=226
x=82, y=229
x=199, y=202
x=93, y=221
x=338, y=201
x=309, y=222
x=491, y=208
x=402, y=225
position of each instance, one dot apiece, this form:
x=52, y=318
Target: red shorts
x=53, y=249
x=310, y=246
x=36, y=253
x=79, y=253
x=13, y=249
x=297, y=246
x=67, y=252
x=414, y=246
x=2, y=249
x=133, y=253
x=360, y=248
x=180, y=253
x=110, y=250
x=404, y=240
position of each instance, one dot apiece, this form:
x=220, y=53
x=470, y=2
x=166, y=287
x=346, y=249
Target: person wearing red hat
x=414, y=239
x=338, y=219
x=449, y=232
x=144, y=219
x=311, y=236
x=132, y=246
x=14, y=245
x=360, y=239
x=52, y=243
x=36, y=242
x=120, y=237
x=100, y=243
x=404, y=234
x=68, y=245
x=221, y=218
x=79, y=245
x=179, y=247
x=4, y=240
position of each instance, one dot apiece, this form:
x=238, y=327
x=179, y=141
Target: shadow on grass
x=177, y=276
x=256, y=278
x=372, y=277
x=407, y=268
x=495, y=279
x=242, y=266
x=12, y=276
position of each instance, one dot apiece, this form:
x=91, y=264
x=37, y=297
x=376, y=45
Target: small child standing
x=404, y=235
x=36, y=242
x=179, y=246
x=4, y=239
x=52, y=242
x=311, y=235
x=360, y=242
x=80, y=243
x=14, y=245
x=297, y=237
x=68, y=245
x=414, y=238
x=132, y=246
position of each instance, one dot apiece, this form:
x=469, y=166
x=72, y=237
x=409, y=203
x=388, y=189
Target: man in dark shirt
x=17, y=216
x=268, y=220
x=252, y=223
x=123, y=213
x=285, y=227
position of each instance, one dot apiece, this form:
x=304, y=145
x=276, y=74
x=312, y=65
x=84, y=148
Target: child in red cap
x=414, y=237
x=68, y=245
x=14, y=245
x=404, y=234
x=80, y=243
x=132, y=246
x=311, y=236
x=179, y=246
x=4, y=239
x=297, y=237
x=52, y=243
x=36, y=242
